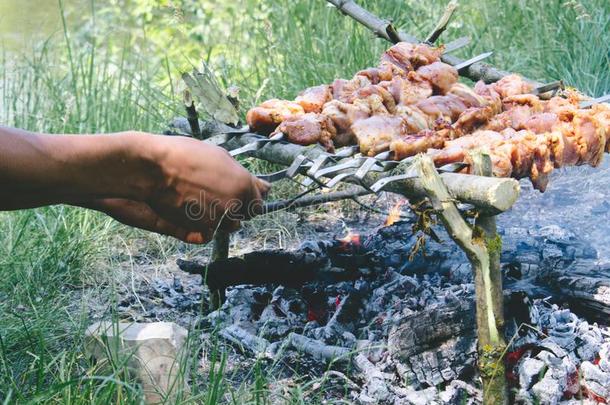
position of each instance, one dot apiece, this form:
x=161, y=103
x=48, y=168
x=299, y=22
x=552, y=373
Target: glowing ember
x=351, y=239
x=394, y=214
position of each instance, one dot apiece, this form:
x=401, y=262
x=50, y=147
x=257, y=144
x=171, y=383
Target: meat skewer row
x=526, y=153
x=584, y=133
x=373, y=119
x=401, y=60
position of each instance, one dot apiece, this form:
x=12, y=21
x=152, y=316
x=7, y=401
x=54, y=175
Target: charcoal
x=410, y=325
x=437, y=344
x=604, y=357
x=244, y=339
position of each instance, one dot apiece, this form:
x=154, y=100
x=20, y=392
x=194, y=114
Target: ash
x=399, y=328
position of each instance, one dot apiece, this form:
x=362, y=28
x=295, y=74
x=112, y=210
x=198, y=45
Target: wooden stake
x=482, y=247
x=220, y=251
x=191, y=114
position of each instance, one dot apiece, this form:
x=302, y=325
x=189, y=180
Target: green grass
x=84, y=79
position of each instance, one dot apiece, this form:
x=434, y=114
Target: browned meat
x=541, y=123
x=387, y=106
x=408, y=90
x=602, y=113
x=448, y=107
x=375, y=133
x=591, y=138
x=511, y=85
x=440, y=75
x=456, y=150
x=470, y=97
x=344, y=89
x=409, y=56
x=473, y=118
x=415, y=119
x=267, y=116
x=404, y=146
x=564, y=148
x=343, y=115
x=412, y=103
x=385, y=72
x=309, y=129
x=314, y=98
x=490, y=94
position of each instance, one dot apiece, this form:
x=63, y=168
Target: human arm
x=173, y=185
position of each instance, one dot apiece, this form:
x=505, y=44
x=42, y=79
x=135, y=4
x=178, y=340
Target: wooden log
x=441, y=26
x=584, y=285
x=382, y=28
x=477, y=248
x=292, y=269
x=475, y=72
x=245, y=340
x=191, y=114
x=490, y=194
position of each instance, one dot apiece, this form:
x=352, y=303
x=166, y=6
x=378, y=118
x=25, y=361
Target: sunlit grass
x=80, y=81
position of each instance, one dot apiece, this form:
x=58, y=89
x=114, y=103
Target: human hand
x=202, y=188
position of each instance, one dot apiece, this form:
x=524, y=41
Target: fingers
x=140, y=215
x=263, y=187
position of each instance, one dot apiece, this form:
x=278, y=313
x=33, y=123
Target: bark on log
x=490, y=194
x=477, y=248
x=220, y=251
x=382, y=28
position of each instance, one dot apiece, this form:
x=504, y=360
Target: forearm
x=38, y=170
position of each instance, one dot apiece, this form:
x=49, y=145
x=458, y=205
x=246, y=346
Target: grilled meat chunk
x=266, y=117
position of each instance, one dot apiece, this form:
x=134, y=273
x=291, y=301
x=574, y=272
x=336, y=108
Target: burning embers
x=405, y=330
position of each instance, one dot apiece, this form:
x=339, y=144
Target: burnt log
x=291, y=269
x=584, y=285
x=435, y=345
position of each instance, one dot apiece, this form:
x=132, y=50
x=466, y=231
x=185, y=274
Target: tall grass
x=76, y=82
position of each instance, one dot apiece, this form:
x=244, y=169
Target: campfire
x=398, y=308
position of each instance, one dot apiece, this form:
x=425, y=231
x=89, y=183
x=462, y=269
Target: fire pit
x=405, y=321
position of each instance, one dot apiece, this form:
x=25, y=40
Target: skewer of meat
x=525, y=153
x=399, y=61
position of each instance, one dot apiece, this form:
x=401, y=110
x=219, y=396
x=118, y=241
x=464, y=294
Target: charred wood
x=318, y=350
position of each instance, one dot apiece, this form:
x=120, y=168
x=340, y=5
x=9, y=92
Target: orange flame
x=394, y=214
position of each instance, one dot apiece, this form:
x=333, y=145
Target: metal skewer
x=473, y=60
x=457, y=44
x=591, y=103
x=256, y=145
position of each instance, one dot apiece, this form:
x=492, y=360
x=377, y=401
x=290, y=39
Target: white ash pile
x=564, y=358
x=405, y=330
